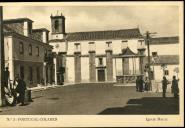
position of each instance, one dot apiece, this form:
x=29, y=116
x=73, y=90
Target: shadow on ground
x=147, y=105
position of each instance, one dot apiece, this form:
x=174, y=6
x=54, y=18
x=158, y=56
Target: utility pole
x=148, y=49
x=2, y=97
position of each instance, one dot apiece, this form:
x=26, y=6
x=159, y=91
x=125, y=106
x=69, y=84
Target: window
x=100, y=61
x=30, y=28
x=21, y=48
x=30, y=74
x=166, y=72
x=30, y=49
x=141, y=42
x=108, y=44
x=56, y=25
x=37, y=48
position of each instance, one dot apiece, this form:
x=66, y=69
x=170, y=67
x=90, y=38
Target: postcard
x=91, y=64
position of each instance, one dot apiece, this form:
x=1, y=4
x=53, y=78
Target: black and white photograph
x=120, y=59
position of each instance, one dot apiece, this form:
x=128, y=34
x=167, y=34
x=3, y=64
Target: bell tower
x=57, y=26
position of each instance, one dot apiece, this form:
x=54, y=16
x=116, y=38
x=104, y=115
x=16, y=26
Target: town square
x=91, y=60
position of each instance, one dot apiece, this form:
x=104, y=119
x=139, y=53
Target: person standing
x=175, y=88
x=137, y=83
x=7, y=75
x=146, y=84
x=21, y=87
x=164, y=85
x=141, y=82
x=14, y=93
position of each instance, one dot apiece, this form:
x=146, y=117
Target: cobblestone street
x=92, y=99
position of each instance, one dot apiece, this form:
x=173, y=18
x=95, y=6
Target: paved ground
x=92, y=99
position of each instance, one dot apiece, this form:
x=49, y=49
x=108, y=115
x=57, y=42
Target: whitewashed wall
x=159, y=72
x=165, y=49
x=62, y=47
x=100, y=46
x=100, y=49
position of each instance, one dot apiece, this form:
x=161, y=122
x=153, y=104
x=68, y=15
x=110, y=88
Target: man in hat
x=175, y=88
x=21, y=87
x=164, y=85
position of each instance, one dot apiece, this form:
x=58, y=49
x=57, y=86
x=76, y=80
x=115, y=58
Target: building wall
x=85, y=69
x=26, y=66
x=70, y=69
x=159, y=72
x=59, y=46
x=25, y=55
x=14, y=59
x=165, y=49
x=100, y=47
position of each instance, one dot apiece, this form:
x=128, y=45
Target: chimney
x=27, y=27
x=45, y=36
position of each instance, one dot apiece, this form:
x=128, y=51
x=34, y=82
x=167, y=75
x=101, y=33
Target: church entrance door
x=101, y=75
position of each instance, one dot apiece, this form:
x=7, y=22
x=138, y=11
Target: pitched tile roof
x=17, y=20
x=165, y=59
x=102, y=35
x=56, y=40
x=164, y=40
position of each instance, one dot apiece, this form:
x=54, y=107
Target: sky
x=161, y=19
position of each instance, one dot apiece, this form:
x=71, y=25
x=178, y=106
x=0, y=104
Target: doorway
x=101, y=75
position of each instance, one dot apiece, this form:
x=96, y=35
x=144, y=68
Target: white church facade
x=111, y=56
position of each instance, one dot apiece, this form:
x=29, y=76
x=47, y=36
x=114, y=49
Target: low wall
x=157, y=86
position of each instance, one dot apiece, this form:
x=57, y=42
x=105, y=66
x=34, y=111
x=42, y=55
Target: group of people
x=144, y=85
x=174, y=87
x=15, y=90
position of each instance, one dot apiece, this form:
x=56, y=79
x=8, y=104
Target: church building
x=96, y=56
x=110, y=55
